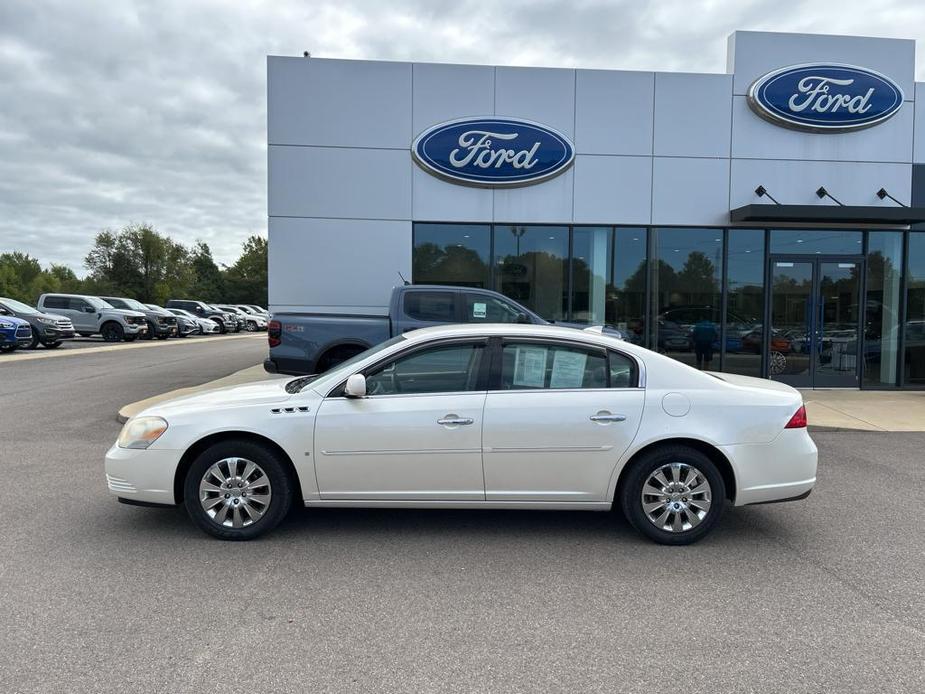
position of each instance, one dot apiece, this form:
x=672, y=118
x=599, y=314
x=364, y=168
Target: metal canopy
x=836, y=214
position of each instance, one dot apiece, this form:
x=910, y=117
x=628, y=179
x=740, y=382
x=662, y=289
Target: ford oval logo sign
x=493, y=152
x=825, y=97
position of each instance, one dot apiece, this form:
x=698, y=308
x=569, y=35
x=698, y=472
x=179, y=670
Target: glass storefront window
x=686, y=295
x=626, y=295
x=915, y=312
x=592, y=256
x=531, y=267
x=818, y=242
x=881, y=324
x=456, y=254
x=744, y=301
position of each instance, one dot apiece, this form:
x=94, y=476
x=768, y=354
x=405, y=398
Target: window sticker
x=530, y=367
x=568, y=369
x=479, y=310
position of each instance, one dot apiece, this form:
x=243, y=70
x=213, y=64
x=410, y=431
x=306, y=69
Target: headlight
x=5, y=325
x=47, y=321
x=141, y=432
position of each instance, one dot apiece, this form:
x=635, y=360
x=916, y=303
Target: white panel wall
x=918, y=152
x=692, y=115
x=438, y=201
x=545, y=95
x=613, y=112
x=331, y=265
x=755, y=137
x=609, y=188
x=758, y=52
x=550, y=201
x=447, y=92
x=690, y=192
x=795, y=182
x=339, y=182
x=345, y=103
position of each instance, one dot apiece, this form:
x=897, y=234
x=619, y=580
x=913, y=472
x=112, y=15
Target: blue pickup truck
x=310, y=343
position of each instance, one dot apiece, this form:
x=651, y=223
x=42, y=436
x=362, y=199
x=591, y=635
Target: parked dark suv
x=47, y=328
x=226, y=322
x=161, y=324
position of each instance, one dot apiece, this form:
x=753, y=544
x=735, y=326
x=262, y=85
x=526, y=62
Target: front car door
x=417, y=433
x=558, y=417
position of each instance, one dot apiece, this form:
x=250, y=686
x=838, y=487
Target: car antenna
x=403, y=278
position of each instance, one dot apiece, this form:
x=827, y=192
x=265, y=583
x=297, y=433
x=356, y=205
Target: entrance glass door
x=815, y=321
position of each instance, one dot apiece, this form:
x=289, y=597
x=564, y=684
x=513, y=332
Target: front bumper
x=56, y=335
x=133, y=329
x=142, y=475
x=782, y=470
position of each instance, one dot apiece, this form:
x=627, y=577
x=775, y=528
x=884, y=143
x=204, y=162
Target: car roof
x=552, y=332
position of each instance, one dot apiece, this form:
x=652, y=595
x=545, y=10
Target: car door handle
x=453, y=420
x=607, y=417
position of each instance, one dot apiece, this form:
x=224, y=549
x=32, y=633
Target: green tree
x=246, y=280
x=208, y=283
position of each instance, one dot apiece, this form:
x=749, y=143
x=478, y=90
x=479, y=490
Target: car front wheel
x=673, y=495
x=237, y=490
x=112, y=332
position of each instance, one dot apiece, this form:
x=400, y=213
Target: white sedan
x=487, y=416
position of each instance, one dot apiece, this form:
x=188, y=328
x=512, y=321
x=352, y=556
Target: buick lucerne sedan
x=481, y=416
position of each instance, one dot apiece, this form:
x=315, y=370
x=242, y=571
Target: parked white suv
x=93, y=316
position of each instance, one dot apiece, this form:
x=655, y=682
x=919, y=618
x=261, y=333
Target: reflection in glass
x=532, y=267
x=591, y=268
x=881, y=326
x=626, y=295
x=686, y=294
x=820, y=242
x=456, y=254
x=915, y=312
x=745, y=302
x=791, y=322
x=836, y=345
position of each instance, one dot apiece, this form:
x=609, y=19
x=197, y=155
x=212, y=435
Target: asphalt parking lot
x=822, y=595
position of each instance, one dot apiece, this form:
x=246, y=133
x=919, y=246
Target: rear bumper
x=782, y=470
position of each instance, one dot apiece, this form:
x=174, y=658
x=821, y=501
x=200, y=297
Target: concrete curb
x=248, y=375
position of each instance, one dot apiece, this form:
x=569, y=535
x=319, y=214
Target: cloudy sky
x=114, y=111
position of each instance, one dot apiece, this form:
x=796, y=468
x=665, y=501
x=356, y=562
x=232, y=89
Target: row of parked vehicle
x=59, y=317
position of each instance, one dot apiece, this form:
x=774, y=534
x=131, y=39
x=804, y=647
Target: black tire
x=222, y=328
x=631, y=499
x=112, y=332
x=251, y=326
x=281, y=487
x=52, y=345
x=35, y=340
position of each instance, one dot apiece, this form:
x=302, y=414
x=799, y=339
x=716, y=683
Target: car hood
x=122, y=312
x=14, y=320
x=257, y=393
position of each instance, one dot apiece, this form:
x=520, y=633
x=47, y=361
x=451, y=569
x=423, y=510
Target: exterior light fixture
x=823, y=193
x=762, y=192
x=883, y=194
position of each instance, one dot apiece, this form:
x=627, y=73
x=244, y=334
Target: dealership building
x=767, y=221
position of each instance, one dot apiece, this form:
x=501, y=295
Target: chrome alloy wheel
x=235, y=492
x=676, y=497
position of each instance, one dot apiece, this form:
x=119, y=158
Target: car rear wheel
x=112, y=332
x=237, y=490
x=673, y=495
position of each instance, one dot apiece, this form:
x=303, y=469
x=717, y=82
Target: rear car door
x=558, y=417
x=417, y=434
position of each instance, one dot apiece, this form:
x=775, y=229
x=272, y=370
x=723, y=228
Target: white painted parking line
x=48, y=354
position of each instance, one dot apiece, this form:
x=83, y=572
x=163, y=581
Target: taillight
x=274, y=331
x=798, y=420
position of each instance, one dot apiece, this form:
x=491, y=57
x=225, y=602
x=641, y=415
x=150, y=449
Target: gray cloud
x=156, y=112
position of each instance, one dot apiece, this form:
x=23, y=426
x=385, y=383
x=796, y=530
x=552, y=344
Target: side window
x=488, y=309
x=622, y=371
x=76, y=304
x=431, y=306
x=538, y=366
x=444, y=369
x=55, y=302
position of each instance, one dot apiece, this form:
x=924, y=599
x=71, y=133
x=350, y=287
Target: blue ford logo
x=825, y=97
x=493, y=152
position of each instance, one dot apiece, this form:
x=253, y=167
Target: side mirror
x=523, y=318
x=356, y=386
x=89, y=309
x=199, y=309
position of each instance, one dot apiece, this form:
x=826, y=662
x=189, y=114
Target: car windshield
x=136, y=305
x=18, y=306
x=336, y=372
x=179, y=312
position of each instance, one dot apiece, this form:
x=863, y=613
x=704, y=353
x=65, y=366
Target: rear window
x=431, y=306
